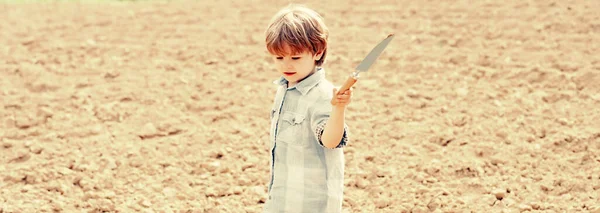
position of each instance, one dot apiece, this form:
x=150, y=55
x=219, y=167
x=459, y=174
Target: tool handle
x=349, y=82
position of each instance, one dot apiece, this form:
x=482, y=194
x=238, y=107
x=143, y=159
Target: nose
x=287, y=64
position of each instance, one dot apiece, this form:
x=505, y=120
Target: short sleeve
x=319, y=132
x=319, y=119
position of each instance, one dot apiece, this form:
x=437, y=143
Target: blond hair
x=299, y=27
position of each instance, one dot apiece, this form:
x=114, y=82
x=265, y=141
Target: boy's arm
x=334, y=128
x=331, y=129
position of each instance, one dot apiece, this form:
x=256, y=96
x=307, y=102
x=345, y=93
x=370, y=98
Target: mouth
x=289, y=73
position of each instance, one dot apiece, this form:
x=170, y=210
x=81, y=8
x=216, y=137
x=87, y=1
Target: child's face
x=295, y=67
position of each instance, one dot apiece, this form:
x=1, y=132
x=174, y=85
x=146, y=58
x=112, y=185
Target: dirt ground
x=482, y=106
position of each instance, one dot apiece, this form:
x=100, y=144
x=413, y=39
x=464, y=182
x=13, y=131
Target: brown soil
x=480, y=106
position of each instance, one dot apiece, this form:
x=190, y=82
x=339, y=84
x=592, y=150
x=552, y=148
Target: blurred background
x=163, y=106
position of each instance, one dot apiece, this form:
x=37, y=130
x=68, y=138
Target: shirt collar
x=305, y=85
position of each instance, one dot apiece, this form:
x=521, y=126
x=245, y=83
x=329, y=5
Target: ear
x=318, y=56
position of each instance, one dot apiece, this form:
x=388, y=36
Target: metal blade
x=373, y=55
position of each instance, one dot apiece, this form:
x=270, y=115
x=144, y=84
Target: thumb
x=335, y=91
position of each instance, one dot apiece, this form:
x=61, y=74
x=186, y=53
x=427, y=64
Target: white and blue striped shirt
x=305, y=175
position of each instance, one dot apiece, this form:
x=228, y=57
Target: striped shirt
x=305, y=175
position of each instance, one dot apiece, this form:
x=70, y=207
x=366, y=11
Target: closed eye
x=296, y=58
x=279, y=58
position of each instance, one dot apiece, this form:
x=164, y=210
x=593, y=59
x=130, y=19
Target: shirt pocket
x=292, y=129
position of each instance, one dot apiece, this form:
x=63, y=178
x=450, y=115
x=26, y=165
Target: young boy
x=307, y=118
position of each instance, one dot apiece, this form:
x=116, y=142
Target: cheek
x=308, y=64
x=278, y=63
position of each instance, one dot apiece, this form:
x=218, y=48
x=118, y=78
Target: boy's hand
x=341, y=100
